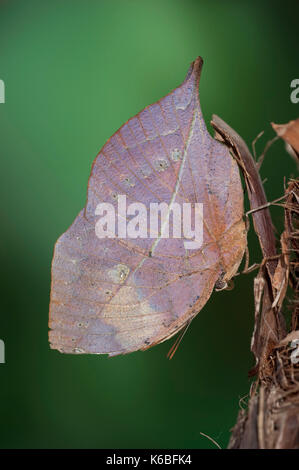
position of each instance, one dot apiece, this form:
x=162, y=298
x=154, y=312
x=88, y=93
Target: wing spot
x=119, y=273
x=146, y=172
x=161, y=164
x=129, y=182
x=176, y=155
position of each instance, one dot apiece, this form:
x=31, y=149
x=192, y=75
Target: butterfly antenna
x=177, y=342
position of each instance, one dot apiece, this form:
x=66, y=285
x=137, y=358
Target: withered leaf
x=289, y=133
x=118, y=295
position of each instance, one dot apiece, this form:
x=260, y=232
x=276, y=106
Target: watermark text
x=295, y=93
x=159, y=220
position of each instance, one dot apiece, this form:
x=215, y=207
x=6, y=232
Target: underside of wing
x=118, y=295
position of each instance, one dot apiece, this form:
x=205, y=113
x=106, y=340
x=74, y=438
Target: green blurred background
x=74, y=72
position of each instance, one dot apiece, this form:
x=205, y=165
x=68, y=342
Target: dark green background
x=74, y=72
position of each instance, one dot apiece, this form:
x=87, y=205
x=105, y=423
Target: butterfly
x=115, y=294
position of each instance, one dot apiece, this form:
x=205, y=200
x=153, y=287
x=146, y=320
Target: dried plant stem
x=271, y=420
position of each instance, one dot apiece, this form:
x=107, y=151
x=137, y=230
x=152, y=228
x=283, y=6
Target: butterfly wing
x=116, y=295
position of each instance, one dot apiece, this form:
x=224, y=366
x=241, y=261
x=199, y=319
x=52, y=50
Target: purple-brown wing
x=114, y=296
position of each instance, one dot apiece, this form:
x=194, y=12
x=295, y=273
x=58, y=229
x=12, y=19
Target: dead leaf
x=293, y=335
x=289, y=133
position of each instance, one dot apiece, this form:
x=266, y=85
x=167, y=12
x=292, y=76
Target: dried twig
x=272, y=416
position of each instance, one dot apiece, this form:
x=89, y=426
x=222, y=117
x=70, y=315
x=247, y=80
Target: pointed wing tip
x=194, y=71
x=197, y=63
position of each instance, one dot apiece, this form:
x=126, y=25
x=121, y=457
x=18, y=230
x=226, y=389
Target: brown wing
x=115, y=295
